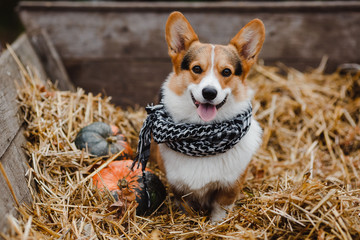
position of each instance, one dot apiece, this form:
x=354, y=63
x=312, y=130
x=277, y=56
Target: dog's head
x=208, y=81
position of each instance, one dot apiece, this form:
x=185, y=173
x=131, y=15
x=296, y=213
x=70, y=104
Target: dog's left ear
x=249, y=40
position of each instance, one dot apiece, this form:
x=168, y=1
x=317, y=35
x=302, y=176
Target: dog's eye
x=197, y=69
x=226, y=72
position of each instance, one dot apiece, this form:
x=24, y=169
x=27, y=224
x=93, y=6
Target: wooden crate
x=119, y=48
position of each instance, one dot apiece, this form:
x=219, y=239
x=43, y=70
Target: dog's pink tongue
x=207, y=112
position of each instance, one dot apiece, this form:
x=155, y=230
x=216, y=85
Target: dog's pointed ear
x=179, y=34
x=249, y=40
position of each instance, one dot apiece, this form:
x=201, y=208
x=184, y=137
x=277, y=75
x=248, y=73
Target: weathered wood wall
x=13, y=160
x=119, y=48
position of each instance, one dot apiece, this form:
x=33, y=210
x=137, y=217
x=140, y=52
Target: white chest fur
x=225, y=168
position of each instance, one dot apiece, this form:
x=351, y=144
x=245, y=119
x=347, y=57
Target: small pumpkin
x=102, y=139
x=120, y=179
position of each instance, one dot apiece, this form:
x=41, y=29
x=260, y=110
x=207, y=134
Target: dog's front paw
x=217, y=217
x=219, y=213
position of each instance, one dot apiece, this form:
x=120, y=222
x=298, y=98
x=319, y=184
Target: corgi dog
x=208, y=86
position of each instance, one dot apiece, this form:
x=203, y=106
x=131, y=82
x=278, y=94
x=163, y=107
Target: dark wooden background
x=119, y=49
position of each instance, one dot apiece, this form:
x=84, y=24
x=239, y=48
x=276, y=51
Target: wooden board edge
x=244, y=6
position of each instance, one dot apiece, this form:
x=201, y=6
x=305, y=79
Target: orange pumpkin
x=101, y=139
x=117, y=176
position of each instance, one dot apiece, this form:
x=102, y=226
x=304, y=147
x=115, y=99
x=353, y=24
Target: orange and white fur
x=208, y=85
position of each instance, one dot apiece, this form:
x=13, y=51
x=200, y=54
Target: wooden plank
x=50, y=59
x=238, y=7
x=131, y=35
x=14, y=164
x=130, y=83
x=10, y=120
x=125, y=30
x=111, y=35
x=12, y=156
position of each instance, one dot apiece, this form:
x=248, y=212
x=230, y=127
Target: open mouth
x=207, y=111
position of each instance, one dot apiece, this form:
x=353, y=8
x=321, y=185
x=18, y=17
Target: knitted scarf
x=191, y=139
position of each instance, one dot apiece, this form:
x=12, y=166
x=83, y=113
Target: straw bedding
x=303, y=183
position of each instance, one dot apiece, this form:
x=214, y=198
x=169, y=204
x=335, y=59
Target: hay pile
x=303, y=182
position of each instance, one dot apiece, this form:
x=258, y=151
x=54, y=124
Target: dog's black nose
x=209, y=93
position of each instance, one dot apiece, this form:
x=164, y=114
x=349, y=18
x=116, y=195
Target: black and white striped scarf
x=191, y=139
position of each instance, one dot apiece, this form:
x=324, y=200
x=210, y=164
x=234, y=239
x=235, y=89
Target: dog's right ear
x=179, y=34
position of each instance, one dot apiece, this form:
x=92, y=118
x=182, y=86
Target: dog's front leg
x=223, y=202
